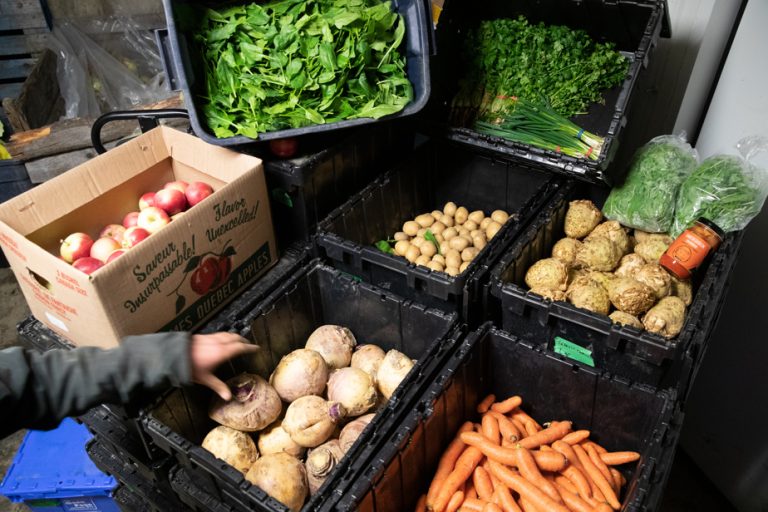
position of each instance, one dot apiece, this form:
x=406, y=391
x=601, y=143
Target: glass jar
x=690, y=249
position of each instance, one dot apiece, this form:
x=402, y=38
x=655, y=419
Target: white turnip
x=281, y=476
x=254, y=405
x=321, y=461
x=274, y=439
x=392, y=371
x=232, y=446
x=352, y=388
x=311, y=420
x=368, y=358
x=334, y=343
x=352, y=431
x=300, y=373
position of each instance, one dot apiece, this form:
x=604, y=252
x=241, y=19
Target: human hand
x=208, y=351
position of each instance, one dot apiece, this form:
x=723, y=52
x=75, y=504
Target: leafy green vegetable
x=385, y=246
x=293, y=63
x=550, y=64
x=430, y=237
x=723, y=190
x=646, y=199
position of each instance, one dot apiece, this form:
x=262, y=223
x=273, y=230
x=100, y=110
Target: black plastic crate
x=183, y=68
x=193, y=496
x=625, y=351
x=303, y=190
x=620, y=416
x=437, y=172
x=127, y=500
x=156, y=496
x=633, y=26
x=318, y=295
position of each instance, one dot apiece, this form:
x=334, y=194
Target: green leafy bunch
x=550, y=64
x=293, y=63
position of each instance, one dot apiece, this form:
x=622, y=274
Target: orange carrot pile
x=510, y=463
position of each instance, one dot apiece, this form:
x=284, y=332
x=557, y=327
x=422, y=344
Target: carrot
x=506, y=501
x=530, y=429
x=600, y=482
x=526, y=464
x=507, y=405
x=573, y=502
x=447, y=462
x=473, y=504
x=421, y=505
x=602, y=507
x=470, y=491
x=619, y=458
x=465, y=465
x=455, y=502
x=483, y=406
x=549, y=460
x=483, y=484
x=573, y=459
x=545, y=448
x=507, y=428
x=600, y=465
x=580, y=482
x=523, y=417
x=490, y=450
x=527, y=490
x=616, y=479
x=546, y=436
x=528, y=506
x=563, y=482
x=491, y=429
x=576, y=437
x=491, y=507
x=599, y=448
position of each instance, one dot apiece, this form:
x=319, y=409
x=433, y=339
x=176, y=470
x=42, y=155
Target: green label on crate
x=42, y=503
x=573, y=351
x=281, y=196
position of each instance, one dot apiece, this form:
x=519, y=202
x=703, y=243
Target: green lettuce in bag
x=646, y=199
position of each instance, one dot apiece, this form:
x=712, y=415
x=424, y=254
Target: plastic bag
x=728, y=190
x=93, y=81
x=646, y=200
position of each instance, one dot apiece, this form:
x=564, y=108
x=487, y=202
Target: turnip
x=352, y=388
x=352, y=431
x=254, y=405
x=334, y=343
x=368, y=358
x=311, y=420
x=281, y=476
x=321, y=461
x=274, y=439
x=300, y=373
x=392, y=371
x=232, y=446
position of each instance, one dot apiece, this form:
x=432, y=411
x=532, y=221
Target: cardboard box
x=149, y=288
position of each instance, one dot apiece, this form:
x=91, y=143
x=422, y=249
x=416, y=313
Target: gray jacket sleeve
x=39, y=390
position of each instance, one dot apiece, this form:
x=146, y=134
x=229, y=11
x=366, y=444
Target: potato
x=421, y=232
x=500, y=216
x=428, y=249
x=439, y=238
x=436, y=266
x=477, y=216
x=469, y=253
x=565, y=251
x=452, y=271
x=439, y=258
x=492, y=229
x=436, y=214
x=418, y=241
x=401, y=236
x=437, y=228
x=425, y=220
x=463, y=267
x=461, y=215
x=464, y=232
x=581, y=218
x=453, y=259
x=547, y=273
x=666, y=318
x=411, y=228
x=485, y=222
x=412, y=254
x=470, y=225
x=450, y=208
x=444, y=247
x=401, y=247
x=458, y=243
x=422, y=260
x=450, y=233
x=447, y=220
x=477, y=232
x=479, y=242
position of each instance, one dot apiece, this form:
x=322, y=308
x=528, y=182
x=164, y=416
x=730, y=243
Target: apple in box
x=75, y=246
x=147, y=200
x=197, y=191
x=153, y=219
x=115, y=231
x=133, y=236
x=116, y=254
x=179, y=185
x=88, y=265
x=171, y=200
x=103, y=247
x=130, y=220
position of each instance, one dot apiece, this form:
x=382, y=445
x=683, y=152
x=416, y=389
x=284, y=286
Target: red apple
x=115, y=231
x=103, y=247
x=284, y=148
x=170, y=200
x=133, y=236
x=88, y=265
x=75, y=246
x=179, y=185
x=147, y=200
x=153, y=219
x=116, y=254
x=130, y=220
x=197, y=191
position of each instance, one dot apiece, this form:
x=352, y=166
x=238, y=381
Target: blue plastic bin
x=51, y=472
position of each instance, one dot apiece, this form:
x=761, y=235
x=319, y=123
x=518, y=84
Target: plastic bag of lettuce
x=646, y=199
x=728, y=190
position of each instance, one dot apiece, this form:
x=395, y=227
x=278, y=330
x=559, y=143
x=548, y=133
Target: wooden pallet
x=23, y=35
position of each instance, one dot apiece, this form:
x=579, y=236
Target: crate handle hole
x=43, y=282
